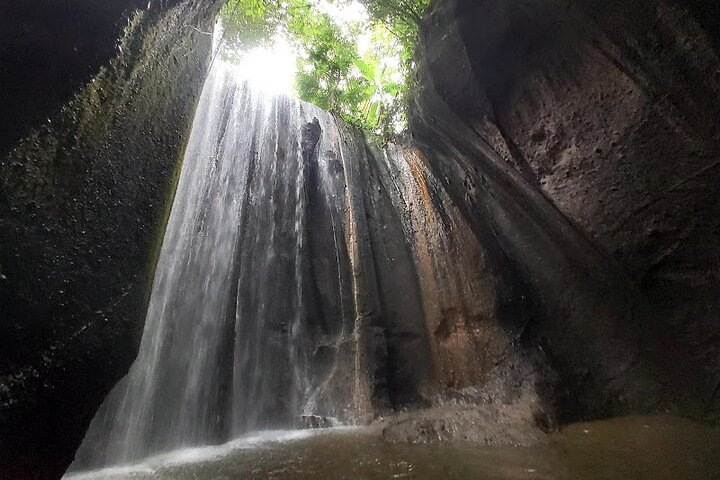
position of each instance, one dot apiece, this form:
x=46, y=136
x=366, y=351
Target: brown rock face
x=581, y=138
x=545, y=245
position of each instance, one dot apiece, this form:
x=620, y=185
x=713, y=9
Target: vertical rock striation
x=580, y=139
x=544, y=242
x=307, y=274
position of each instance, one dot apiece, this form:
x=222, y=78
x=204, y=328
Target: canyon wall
x=580, y=139
x=97, y=100
x=544, y=239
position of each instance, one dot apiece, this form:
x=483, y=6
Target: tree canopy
x=360, y=69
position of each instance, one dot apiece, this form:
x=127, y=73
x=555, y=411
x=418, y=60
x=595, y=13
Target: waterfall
x=259, y=297
x=306, y=277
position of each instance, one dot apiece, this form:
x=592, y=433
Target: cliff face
x=309, y=277
x=86, y=177
x=580, y=141
x=544, y=244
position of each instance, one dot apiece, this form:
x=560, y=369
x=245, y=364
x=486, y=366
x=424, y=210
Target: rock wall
x=97, y=101
x=547, y=238
x=580, y=141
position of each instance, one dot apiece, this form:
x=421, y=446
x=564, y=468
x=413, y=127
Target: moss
x=161, y=228
x=85, y=197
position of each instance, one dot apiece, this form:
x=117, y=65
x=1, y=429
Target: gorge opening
x=482, y=243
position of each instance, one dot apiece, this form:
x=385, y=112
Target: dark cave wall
x=584, y=136
x=83, y=200
x=48, y=51
x=558, y=222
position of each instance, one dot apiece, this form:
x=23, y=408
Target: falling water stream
x=265, y=305
x=229, y=346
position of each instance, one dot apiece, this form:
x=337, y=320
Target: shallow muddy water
x=652, y=448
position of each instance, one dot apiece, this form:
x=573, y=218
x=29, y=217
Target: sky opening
x=272, y=68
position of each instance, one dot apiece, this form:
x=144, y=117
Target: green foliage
x=365, y=86
x=327, y=56
x=401, y=17
x=247, y=24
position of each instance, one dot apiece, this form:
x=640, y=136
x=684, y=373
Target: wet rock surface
x=48, y=53
x=500, y=425
x=543, y=248
x=315, y=421
x=579, y=140
x=83, y=200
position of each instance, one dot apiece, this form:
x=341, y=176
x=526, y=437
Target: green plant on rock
x=401, y=17
x=367, y=85
x=247, y=24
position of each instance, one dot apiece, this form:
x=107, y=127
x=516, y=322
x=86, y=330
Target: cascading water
x=255, y=317
x=306, y=277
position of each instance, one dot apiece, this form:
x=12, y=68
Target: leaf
x=367, y=70
x=392, y=89
x=369, y=91
x=373, y=114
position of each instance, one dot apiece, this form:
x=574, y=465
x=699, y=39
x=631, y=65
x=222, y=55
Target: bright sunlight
x=351, y=58
x=270, y=69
